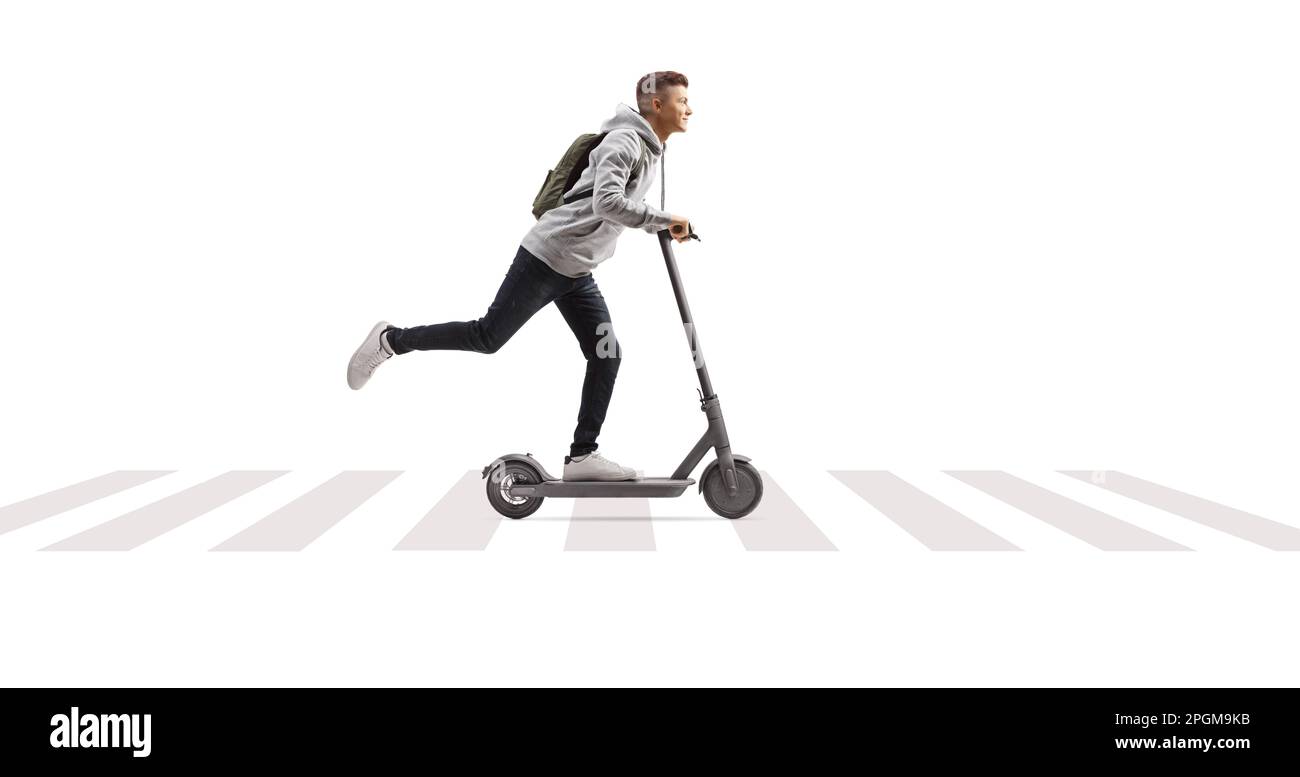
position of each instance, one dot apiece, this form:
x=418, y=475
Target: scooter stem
x=688, y=323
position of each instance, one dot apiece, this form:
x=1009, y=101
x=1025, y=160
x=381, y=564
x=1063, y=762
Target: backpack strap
x=645, y=157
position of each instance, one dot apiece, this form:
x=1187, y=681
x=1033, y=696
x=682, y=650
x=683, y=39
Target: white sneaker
x=594, y=466
x=372, y=353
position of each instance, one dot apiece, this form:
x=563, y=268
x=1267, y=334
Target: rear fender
x=526, y=458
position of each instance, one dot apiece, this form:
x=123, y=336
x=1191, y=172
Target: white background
x=1029, y=236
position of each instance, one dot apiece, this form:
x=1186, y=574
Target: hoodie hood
x=627, y=117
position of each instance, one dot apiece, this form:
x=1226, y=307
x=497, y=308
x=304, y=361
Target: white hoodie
x=572, y=239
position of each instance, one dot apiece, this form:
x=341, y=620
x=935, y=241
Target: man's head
x=661, y=99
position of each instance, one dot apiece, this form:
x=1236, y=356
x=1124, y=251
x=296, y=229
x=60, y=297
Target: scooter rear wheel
x=748, y=495
x=500, y=480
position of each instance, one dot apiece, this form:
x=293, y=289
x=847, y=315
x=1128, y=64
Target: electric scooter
x=517, y=483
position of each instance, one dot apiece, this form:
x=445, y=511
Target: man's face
x=674, y=110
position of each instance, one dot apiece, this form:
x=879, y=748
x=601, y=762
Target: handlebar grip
x=690, y=232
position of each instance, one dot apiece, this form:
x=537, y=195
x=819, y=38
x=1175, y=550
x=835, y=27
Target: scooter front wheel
x=748, y=495
x=499, y=481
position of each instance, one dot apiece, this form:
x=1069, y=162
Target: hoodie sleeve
x=613, y=161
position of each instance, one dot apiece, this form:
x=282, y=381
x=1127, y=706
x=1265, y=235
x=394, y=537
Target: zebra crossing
x=170, y=511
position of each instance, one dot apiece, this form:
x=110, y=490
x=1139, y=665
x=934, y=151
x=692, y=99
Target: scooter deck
x=645, y=487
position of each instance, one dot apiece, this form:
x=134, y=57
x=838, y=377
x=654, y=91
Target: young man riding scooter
x=555, y=262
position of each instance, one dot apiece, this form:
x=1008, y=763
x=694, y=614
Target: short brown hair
x=648, y=87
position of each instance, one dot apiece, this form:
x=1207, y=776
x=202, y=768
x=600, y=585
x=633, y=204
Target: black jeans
x=530, y=285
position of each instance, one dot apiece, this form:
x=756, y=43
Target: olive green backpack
x=569, y=170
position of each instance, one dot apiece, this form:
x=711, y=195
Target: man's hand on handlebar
x=680, y=229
